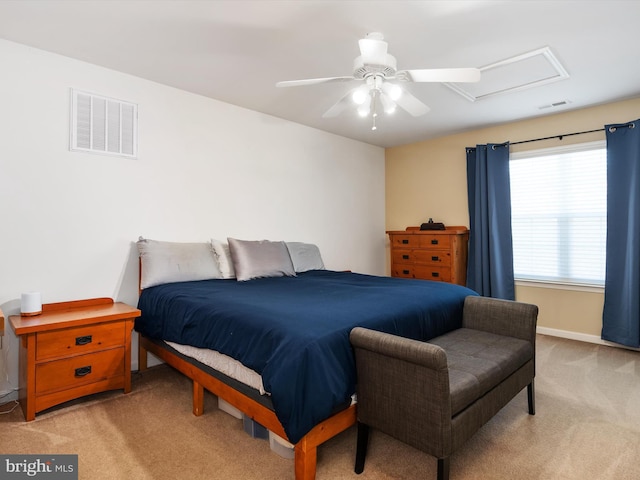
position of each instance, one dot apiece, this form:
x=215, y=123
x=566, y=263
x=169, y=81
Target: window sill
x=561, y=286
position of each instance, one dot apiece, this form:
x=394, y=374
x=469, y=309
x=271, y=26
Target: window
x=559, y=214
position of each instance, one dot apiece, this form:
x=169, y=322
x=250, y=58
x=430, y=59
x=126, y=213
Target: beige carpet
x=587, y=426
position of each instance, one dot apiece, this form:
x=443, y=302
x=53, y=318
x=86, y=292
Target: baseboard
x=11, y=395
x=581, y=337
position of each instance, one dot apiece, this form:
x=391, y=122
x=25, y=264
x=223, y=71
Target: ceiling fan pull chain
x=374, y=108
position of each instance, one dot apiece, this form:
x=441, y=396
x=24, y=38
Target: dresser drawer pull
x=435, y=258
x=435, y=274
x=84, y=340
x=405, y=241
x=434, y=242
x=405, y=257
x=82, y=371
x=406, y=272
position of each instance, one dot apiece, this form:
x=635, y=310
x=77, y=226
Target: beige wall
x=428, y=179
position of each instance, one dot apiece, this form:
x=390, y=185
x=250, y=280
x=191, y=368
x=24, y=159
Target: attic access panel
x=529, y=70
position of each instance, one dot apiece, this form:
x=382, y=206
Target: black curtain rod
x=559, y=137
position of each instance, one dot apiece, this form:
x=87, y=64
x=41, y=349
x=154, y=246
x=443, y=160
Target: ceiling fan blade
x=454, y=75
x=406, y=101
x=340, y=106
x=373, y=49
x=313, y=81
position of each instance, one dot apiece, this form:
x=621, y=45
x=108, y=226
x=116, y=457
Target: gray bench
x=435, y=395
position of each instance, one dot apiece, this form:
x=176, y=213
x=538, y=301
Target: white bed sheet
x=223, y=363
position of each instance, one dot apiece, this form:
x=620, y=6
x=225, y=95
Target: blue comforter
x=294, y=331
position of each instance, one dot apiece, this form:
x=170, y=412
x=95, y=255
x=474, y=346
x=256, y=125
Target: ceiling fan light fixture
x=388, y=104
x=394, y=92
x=365, y=108
x=360, y=95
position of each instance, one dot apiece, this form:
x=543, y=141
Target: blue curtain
x=621, y=315
x=490, y=265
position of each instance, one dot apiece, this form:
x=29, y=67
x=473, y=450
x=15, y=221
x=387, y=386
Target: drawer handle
x=435, y=258
x=434, y=242
x=405, y=257
x=405, y=241
x=406, y=272
x=84, y=340
x=82, y=371
x=435, y=274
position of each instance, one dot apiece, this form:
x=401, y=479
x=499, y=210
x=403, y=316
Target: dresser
x=439, y=255
x=73, y=349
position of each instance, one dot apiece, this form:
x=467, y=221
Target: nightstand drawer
x=80, y=370
x=80, y=340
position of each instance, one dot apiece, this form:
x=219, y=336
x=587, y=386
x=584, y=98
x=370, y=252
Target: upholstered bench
x=435, y=395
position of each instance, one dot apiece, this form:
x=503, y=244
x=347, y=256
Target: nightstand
x=73, y=349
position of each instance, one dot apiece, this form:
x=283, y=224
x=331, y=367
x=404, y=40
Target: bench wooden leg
x=531, y=398
x=443, y=468
x=361, y=448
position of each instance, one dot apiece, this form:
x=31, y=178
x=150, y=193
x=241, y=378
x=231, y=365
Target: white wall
x=205, y=169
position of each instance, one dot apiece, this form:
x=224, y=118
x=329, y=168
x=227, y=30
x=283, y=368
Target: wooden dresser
x=439, y=255
x=73, y=349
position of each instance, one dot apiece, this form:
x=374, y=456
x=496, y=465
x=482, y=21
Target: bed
x=292, y=329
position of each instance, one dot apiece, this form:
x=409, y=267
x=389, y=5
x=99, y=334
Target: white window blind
x=559, y=214
x=103, y=125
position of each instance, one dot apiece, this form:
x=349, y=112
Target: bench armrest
x=502, y=317
x=403, y=388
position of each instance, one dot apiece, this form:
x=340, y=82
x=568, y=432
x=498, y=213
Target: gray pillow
x=305, y=256
x=261, y=258
x=223, y=255
x=168, y=262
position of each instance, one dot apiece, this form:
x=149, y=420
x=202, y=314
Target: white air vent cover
x=103, y=125
x=521, y=72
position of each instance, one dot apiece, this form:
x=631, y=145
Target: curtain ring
x=493, y=147
x=612, y=129
x=633, y=125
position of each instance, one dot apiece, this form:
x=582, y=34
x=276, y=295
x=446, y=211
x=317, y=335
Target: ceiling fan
x=377, y=69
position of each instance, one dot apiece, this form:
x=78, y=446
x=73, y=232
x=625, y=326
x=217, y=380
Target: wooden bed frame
x=305, y=450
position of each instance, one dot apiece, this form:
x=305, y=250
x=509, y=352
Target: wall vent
x=103, y=125
x=554, y=105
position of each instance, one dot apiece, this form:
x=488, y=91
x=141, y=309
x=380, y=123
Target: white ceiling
x=235, y=51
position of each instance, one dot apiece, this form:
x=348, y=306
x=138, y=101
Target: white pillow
x=168, y=262
x=305, y=256
x=223, y=256
x=262, y=258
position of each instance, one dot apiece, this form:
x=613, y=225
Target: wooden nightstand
x=73, y=349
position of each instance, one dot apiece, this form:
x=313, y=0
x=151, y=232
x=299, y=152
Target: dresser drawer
x=432, y=257
x=435, y=241
x=80, y=370
x=404, y=241
x=402, y=256
x=440, y=274
x=79, y=340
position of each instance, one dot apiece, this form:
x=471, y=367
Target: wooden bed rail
x=305, y=450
